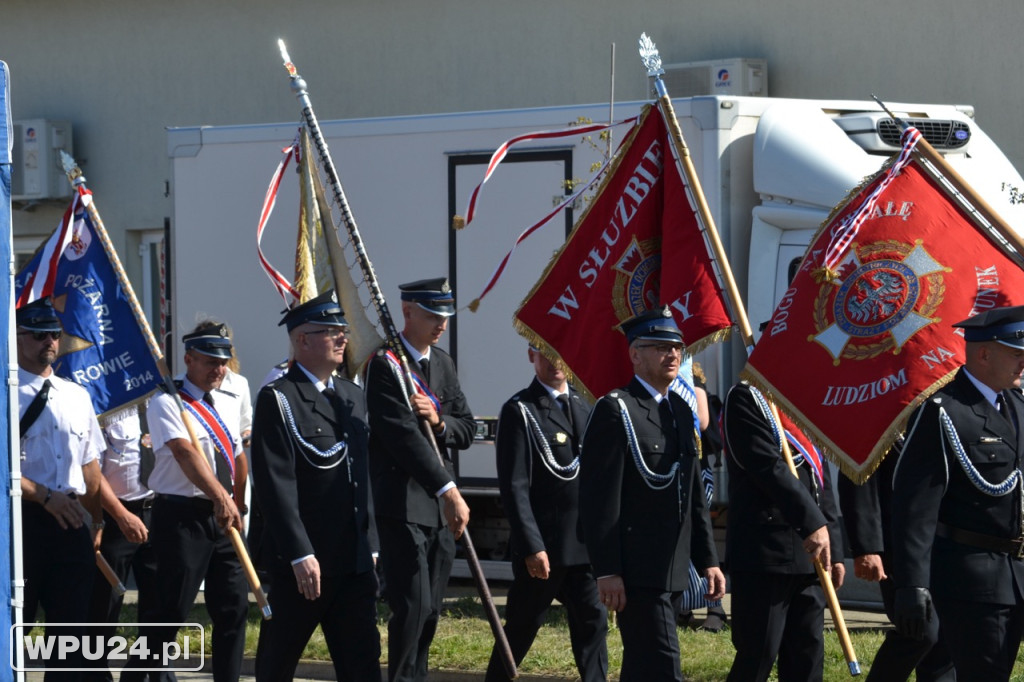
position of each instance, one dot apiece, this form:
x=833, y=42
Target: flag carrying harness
x=806, y=452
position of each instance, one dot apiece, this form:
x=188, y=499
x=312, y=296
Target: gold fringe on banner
x=828, y=448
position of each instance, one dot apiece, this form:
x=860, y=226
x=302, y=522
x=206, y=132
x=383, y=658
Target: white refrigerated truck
x=772, y=169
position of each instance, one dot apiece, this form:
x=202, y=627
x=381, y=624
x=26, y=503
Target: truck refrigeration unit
x=771, y=169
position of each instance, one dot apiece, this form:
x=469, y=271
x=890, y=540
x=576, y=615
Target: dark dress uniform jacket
x=771, y=511
x=404, y=468
x=310, y=506
x=930, y=487
x=542, y=509
x=631, y=530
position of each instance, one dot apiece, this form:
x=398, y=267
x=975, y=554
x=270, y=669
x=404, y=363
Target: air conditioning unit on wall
x=736, y=76
x=36, y=173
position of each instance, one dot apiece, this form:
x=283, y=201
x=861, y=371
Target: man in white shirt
x=194, y=506
x=60, y=475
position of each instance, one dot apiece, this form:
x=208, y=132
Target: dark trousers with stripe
x=417, y=561
x=777, y=616
x=59, y=567
x=346, y=611
x=650, y=643
x=528, y=601
x=190, y=548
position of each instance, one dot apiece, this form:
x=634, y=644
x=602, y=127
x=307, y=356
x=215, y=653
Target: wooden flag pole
x=652, y=60
x=108, y=573
x=391, y=333
x=76, y=179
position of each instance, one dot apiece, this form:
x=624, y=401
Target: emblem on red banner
x=887, y=291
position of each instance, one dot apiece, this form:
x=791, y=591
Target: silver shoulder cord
x=564, y=473
x=289, y=419
x=992, y=489
x=654, y=481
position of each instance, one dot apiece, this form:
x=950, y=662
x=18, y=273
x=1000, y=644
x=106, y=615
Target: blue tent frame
x=6, y=292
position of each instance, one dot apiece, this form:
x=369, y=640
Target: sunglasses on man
x=42, y=336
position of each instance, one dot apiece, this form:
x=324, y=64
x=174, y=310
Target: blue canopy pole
x=9, y=595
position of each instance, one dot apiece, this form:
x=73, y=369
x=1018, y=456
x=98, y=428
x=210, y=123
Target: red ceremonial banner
x=850, y=357
x=611, y=267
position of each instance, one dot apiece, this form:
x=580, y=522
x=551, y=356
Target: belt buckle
x=1018, y=547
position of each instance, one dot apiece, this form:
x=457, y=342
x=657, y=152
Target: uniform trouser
x=346, y=612
x=981, y=638
x=417, y=561
x=650, y=643
x=123, y=556
x=777, y=616
x=59, y=566
x=898, y=655
x=528, y=600
x=190, y=548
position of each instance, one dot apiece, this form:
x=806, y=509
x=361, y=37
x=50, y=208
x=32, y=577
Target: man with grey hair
x=310, y=477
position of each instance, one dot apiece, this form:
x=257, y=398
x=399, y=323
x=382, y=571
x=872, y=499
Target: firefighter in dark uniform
x=309, y=466
x=643, y=508
x=420, y=511
x=867, y=518
x=778, y=524
x=537, y=451
x=958, y=531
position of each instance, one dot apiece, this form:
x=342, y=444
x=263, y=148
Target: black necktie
x=223, y=468
x=668, y=427
x=330, y=393
x=563, y=401
x=1004, y=409
x=425, y=369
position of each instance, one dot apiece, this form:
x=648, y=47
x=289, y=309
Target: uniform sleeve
x=751, y=444
x=602, y=460
x=273, y=474
x=918, y=485
x=514, y=457
x=831, y=511
x=460, y=426
x=396, y=429
x=862, y=516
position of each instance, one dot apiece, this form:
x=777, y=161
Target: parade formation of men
x=606, y=506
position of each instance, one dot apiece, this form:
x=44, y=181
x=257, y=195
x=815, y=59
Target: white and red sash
x=207, y=416
x=421, y=385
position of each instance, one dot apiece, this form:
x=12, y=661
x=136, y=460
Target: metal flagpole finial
x=71, y=168
x=298, y=85
x=899, y=121
x=649, y=56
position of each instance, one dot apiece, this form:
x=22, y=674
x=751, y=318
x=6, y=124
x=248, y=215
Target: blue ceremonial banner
x=103, y=348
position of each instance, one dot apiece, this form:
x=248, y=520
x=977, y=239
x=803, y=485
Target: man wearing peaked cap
x=537, y=452
x=433, y=295
x=642, y=504
x=311, y=480
x=60, y=475
x=958, y=531
x=420, y=511
x=194, y=502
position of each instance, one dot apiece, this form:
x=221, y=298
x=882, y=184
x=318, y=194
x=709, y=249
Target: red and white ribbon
x=503, y=150
x=533, y=228
x=847, y=231
x=40, y=282
x=280, y=282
